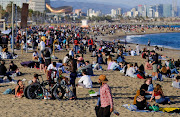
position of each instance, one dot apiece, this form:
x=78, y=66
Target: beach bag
x=154, y=108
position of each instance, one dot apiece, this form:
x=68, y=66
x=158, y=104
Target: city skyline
x=130, y=3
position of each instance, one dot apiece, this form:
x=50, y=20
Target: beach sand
x=122, y=87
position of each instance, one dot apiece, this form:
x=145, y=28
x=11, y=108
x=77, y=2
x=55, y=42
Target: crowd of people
x=77, y=42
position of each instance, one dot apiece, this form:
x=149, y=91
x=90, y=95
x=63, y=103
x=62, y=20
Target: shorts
x=155, y=67
x=47, y=62
x=41, y=61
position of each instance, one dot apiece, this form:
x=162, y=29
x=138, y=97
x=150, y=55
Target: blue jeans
x=117, y=67
x=160, y=77
x=174, y=70
x=163, y=100
x=90, y=48
x=76, y=48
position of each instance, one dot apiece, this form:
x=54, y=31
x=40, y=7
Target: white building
x=38, y=5
x=91, y=12
x=156, y=14
x=129, y=14
x=119, y=11
x=113, y=13
x=19, y=3
x=135, y=13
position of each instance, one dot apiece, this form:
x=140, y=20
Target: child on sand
x=19, y=89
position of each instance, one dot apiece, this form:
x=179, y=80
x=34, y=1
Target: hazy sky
x=128, y=2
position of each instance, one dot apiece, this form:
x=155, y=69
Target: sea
x=166, y=40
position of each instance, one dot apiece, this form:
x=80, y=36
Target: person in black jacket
x=3, y=70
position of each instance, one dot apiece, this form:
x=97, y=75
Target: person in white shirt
x=66, y=58
x=176, y=83
x=114, y=65
x=130, y=71
x=132, y=52
x=137, y=49
x=85, y=81
x=51, y=67
x=71, y=53
x=35, y=55
x=42, y=45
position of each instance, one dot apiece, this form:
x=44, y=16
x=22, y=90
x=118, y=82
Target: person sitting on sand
x=3, y=71
x=148, y=66
x=100, y=59
x=88, y=68
x=176, y=83
x=13, y=68
x=141, y=102
x=159, y=95
x=115, y=66
x=85, y=81
x=130, y=71
x=35, y=55
x=120, y=58
x=165, y=71
x=19, y=90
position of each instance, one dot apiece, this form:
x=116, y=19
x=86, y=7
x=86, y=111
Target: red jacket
x=76, y=42
x=90, y=42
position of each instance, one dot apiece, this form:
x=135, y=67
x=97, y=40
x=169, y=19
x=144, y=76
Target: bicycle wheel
x=35, y=91
x=58, y=92
x=25, y=92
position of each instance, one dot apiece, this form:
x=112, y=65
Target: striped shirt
x=105, y=96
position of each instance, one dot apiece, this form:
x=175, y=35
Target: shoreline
x=120, y=36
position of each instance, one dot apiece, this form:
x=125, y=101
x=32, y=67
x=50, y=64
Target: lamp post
x=12, y=28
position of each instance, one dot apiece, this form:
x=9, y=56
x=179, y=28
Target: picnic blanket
x=134, y=108
x=161, y=110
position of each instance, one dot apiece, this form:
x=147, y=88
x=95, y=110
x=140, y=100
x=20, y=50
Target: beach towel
x=28, y=64
x=170, y=110
x=134, y=108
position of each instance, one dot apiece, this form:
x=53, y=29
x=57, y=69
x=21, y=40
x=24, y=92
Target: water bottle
x=116, y=113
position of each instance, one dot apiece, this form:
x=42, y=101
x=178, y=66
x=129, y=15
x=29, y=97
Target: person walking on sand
x=105, y=98
x=149, y=42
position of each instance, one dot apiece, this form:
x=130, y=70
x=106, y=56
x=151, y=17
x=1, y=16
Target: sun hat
x=103, y=79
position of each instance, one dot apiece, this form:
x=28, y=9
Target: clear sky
x=128, y=2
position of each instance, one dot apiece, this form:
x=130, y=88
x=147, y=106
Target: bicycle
x=39, y=90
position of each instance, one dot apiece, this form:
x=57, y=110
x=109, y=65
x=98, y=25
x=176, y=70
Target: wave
x=130, y=37
x=169, y=47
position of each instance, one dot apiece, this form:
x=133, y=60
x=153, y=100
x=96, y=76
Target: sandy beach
x=122, y=88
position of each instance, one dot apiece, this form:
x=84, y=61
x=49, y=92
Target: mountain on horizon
x=105, y=8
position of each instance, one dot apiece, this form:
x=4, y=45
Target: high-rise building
x=19, y=3
x=38, y=5
x=174, y=8
x=167, y=10
x=113, y=13
x=119, y=11
x=159, y=10
x=144, y=13
x=89, y=11
x=140, y=10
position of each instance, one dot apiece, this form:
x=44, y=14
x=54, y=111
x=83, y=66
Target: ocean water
x=167, y=40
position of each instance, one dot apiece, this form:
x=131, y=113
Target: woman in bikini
x=159, y=95
x=19, y=90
